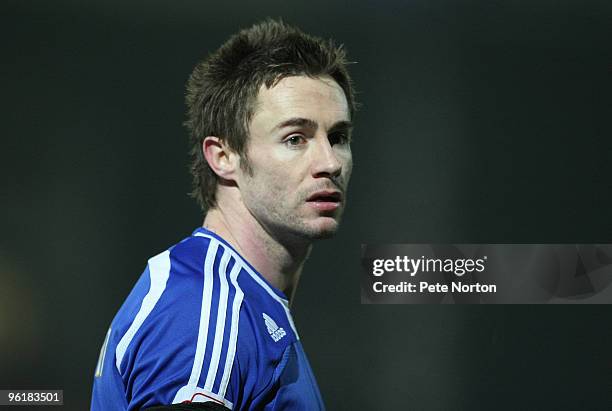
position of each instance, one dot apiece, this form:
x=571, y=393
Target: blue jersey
x=201, y=324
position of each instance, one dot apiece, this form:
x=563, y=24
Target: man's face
x=300, y=158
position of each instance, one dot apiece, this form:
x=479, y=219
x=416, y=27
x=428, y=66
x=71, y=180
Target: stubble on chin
x=322, y=231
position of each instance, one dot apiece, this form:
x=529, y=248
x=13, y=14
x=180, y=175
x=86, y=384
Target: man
x=208, y=323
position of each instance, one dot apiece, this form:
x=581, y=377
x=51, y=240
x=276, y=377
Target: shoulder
x=176, y=334
x=169, y=284
x=201, y=324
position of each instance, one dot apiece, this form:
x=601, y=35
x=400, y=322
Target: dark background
x=482, y=122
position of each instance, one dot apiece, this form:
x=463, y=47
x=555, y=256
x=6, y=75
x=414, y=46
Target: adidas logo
x=275, y=331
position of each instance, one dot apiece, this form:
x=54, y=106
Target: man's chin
x=323, y=235
x=321, y=230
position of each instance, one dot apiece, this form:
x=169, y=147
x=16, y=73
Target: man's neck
x=279, y=262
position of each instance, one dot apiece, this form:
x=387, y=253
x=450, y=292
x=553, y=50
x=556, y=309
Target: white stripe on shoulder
x=204, y=313
x=159, y=271
x=220, y=327
x=191, y=391
x=259, y=281
x=233, y=337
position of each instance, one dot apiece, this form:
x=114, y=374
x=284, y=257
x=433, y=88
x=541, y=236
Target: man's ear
x=221, y=159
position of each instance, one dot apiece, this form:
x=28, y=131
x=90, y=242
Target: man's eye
x=295, y=140
x=338, y=138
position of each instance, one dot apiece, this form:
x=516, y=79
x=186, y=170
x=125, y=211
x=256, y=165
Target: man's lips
x=325, y=200
x=326, y=195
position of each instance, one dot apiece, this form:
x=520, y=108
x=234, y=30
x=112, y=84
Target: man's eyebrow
x=341, y=125
x=308, y=123
x=297, y=122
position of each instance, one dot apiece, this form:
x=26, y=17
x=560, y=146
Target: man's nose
x=325, y=162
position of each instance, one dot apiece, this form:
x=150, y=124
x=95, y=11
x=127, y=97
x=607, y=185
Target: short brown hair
x=222, y=90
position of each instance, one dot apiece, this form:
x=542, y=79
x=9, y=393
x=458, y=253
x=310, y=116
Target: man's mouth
x=325, y=200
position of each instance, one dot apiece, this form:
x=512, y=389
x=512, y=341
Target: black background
x=482, y=122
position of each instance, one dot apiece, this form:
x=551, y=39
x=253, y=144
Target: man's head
x=223, y=90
